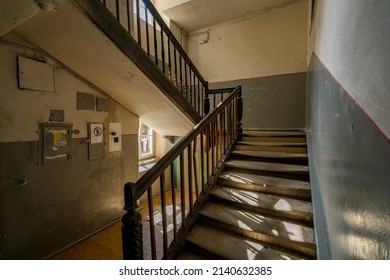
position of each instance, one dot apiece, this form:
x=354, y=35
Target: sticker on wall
x=96, y=133
x=96, y=141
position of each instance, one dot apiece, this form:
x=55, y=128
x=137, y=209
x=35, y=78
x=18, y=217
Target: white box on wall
x=115, y=137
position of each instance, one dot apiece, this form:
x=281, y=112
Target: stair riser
x=280, y=244
x=299, y=193
x=202, y=251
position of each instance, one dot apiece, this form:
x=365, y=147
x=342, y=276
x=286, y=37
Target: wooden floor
x=107, y=244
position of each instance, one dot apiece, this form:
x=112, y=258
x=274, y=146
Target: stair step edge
x=228, y=244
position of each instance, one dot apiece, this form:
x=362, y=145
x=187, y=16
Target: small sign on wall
x=96, y=141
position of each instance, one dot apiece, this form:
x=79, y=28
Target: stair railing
x=143, y=22
x=184, y=176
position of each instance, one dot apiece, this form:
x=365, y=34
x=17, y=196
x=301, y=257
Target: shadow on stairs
x=260, y=207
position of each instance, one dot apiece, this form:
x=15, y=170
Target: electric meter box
x=55, y=143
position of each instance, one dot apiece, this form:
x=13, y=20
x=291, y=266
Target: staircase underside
x=260, y=207
x=112, y=62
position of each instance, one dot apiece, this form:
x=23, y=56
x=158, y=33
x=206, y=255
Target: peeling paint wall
x=44, y=208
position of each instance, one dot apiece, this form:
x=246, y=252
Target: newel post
x=239, y=113
x=132, y=245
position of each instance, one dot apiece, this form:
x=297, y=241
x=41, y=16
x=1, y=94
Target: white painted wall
x=22, y=110
x=272, y=42
x=352, y=39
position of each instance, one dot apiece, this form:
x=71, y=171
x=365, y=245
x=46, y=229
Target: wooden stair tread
x=273, y=133
x=240, y=176
x=262, y=228
x=271, y=144
x=259, y=183
x=277, y=206
x=265, y=154
x=258, y=199
x=266, y=166
x=293, y=139
x=234, y=247
x=271, y=148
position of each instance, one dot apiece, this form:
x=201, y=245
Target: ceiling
x=192, y=15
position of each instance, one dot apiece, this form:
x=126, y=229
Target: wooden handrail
x=172, y=37
x=152, y=174
x=218, y=131
x=192, y=85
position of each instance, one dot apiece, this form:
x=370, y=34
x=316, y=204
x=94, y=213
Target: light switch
x=115, y=137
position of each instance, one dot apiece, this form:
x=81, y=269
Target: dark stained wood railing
x=185, y=175
x=142, y=21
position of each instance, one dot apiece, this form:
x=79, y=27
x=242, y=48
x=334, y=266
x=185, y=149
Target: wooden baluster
x=212, y=146
x=169, y=60
x=220, y=136
x=164, y=214
x=239, y=114
x=199, y=98
x=195, y=165
x=151, y=225
x=189, y=166
x=182, y=190
x=206, y=107
x=202, y=151
x=193, y=85
x=190, y=87
x=132, y=246
x=162, y=50
x=138, y=24
x=185, y=79
x=155, y=41
x=117, y=11
x=128, y=16
x=173, y=201
x=147, y=28
x=208, y=148
x=181, y=74
x=175, y=61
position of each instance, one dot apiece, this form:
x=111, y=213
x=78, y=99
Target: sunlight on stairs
x=260, y=207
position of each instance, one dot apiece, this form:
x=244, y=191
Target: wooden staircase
x=260, y=207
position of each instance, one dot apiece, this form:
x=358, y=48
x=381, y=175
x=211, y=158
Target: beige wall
x=265, y=44
x=352, y=40
x=22, y=110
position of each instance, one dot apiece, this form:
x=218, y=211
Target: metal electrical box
x=55, y=143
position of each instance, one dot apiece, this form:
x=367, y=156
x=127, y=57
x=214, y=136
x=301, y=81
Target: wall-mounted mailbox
x=55, y=143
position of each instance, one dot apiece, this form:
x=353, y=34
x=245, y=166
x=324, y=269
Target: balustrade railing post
x=132, y=244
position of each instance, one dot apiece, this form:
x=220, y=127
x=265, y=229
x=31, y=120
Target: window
x=145, y=142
